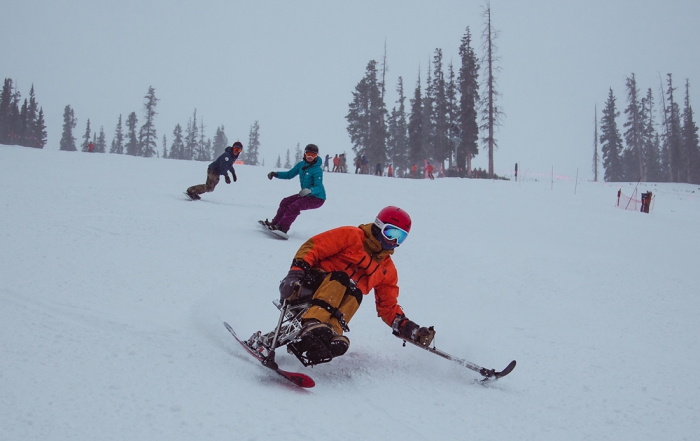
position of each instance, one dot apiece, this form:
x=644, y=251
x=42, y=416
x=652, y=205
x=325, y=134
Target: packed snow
x=115, y=286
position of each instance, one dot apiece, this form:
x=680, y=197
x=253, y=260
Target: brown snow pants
x=208, y=187
x=335, y=291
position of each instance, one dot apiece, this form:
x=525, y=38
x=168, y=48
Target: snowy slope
x=114, y=287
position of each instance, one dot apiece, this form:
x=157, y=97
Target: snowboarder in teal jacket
x=312, y=194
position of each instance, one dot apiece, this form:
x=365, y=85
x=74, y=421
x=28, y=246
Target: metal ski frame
x=287, y=329
x=490, y=374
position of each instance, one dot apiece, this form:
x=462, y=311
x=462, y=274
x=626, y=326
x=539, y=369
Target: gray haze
x=292, y=65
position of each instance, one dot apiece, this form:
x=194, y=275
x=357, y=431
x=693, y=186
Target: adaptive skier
x=221, y=166
x=334, y=270
x=312, y=194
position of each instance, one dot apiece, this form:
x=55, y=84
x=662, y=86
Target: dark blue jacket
x=224, y=163
x=310, y=176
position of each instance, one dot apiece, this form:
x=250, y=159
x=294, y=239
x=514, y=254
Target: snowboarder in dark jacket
x=221, y=166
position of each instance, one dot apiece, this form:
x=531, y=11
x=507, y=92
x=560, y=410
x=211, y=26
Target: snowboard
x=276, y=233
x=190, y=198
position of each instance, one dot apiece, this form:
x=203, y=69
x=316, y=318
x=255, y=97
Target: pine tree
x=278, y=164
x=366, y=114
x=10, y=116
x=298, y=153
x=397, y=142
x=468, y=104
x=220, y=142
x=691, y=146
x=165, y=147
x=203, y=152
x=492, y=113
x=132, y=143
x=415, y=125
x=147, y=135
x=358, y=117
x=442, y=148
x=665, y=154
x=15, y=122
x=69, y=123
x=22, y=133
x=177, y=148
x=5, y=103
x=40, y=129
x=633, y=156
x=253, y=144
x=288, y=162
x=674, y=140
x=86, y=137
x=32, y=136
x=611, y=141
x=428, y=131
x=453, y=132
x=652, y=156
x=191, y=136
x=118, y=141
x=101, y=143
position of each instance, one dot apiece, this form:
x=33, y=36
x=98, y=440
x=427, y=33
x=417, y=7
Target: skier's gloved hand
x=305, y=192
x=227, y=179
x=412, y=331
x=291, y=284
x=424, y=336
x=271, y=175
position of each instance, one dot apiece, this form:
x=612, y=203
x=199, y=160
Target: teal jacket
x=310, y=176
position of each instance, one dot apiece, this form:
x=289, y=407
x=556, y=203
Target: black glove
x=290, y=285
x=271, y=175
x=227, y=179
x=424, y=336
x=234, y=176
x=412, y=331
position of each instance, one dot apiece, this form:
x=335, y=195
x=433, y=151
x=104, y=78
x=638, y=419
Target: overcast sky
x=292, y=65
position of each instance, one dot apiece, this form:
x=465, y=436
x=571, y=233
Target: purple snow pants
x=291, y=206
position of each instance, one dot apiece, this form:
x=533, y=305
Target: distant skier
x=429, y=171
x=312, y=194
x=334, y=270
x=221, y=166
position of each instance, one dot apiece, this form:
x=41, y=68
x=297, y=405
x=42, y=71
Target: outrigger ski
x=301, y=380
x=489, y=374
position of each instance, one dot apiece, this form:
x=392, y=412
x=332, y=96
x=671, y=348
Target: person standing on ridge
x=221, y=166
x=312, y=194
x=429, y=171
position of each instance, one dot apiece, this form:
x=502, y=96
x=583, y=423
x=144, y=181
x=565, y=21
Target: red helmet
x=391, y=217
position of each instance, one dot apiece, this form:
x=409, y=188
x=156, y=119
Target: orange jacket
x=356, y=252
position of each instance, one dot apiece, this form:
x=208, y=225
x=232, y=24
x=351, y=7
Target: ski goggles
x=391, y=233
x=311, y=155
